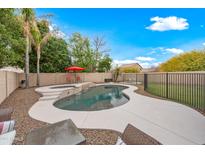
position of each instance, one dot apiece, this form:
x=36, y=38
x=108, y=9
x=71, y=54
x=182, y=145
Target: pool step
x=48, y=97
x=51, y=93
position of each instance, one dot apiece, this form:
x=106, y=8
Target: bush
x=129, y=70
x=189, y=61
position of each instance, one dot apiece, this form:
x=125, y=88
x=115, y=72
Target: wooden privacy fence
x=187, y=88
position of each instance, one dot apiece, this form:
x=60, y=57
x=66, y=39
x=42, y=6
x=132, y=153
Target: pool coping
x=166, y=121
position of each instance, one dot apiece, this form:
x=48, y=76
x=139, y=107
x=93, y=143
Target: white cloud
x=126, y=61
x=168, y=23
x=203, y=43
x=50, y=28
x=145, y=65
x=156, y=64
x=142, y=63
x=140, y=58
x=149, y=65
x=174, y=50
x=55, y=30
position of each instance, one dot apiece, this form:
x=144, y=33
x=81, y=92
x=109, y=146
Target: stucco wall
x=60, y=78
x=9, y=81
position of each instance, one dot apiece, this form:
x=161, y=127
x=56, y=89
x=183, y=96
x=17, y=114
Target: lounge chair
x=7, y=132
x=5, y=114
x=7, y=138
x=134, y=136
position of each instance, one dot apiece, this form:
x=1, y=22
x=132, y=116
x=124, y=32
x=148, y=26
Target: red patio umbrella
x=74, y=68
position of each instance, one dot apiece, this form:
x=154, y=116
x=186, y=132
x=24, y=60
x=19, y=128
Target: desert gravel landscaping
x=22, y=99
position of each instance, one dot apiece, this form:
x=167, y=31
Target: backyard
x=22, y=99
x=33, y=108
x=66, y=80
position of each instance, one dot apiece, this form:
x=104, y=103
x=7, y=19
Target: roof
x=144, y=70
x=131, y=65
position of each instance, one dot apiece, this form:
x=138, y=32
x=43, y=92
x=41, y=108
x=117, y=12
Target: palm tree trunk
x=27, y=61
x=38, y=67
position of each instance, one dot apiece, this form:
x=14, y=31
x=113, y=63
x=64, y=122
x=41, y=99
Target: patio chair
x=78, y=79
x=6, y=126
x=5, y=114
x=69, y=78
x=7, y=132
x=134, y=136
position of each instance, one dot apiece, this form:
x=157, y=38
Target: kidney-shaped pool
x=94, y=99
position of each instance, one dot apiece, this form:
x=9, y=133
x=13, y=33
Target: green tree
x=39, y=40
x=90, y=57
x=99, y=51
x=11, y=39
x=54, y=57
x=22, y=35
x=81, y=51
x=188, y=61
x=43, y=26
x=105, y=64
x=28, y=17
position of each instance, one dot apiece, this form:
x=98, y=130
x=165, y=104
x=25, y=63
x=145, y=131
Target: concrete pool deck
x=166, y=121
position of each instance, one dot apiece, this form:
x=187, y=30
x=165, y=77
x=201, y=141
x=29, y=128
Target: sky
x=145, y=36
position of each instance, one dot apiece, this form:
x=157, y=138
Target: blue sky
x=146, y=36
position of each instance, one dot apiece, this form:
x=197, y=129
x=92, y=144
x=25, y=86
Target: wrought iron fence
x=132, y=78
x=187, y=88
x=184, y=87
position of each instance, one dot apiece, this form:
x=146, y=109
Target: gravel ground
x=22, y=99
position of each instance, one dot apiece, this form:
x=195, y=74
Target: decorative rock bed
x=22, y=99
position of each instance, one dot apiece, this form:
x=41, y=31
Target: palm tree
x=39, y=41
x=28, y=16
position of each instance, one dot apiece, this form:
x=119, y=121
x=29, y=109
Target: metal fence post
x=145, y=82
x=167, y=84
x=136, y=78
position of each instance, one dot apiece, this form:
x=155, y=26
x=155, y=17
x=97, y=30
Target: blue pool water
x=95, y=98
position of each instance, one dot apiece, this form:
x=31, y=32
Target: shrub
x=129, y=70
x=188, y=61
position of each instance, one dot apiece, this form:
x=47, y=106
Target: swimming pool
x=94, y=99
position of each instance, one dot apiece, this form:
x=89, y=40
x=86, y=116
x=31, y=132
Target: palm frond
x=28, y=14
x=36, y=34
x=45, y=39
